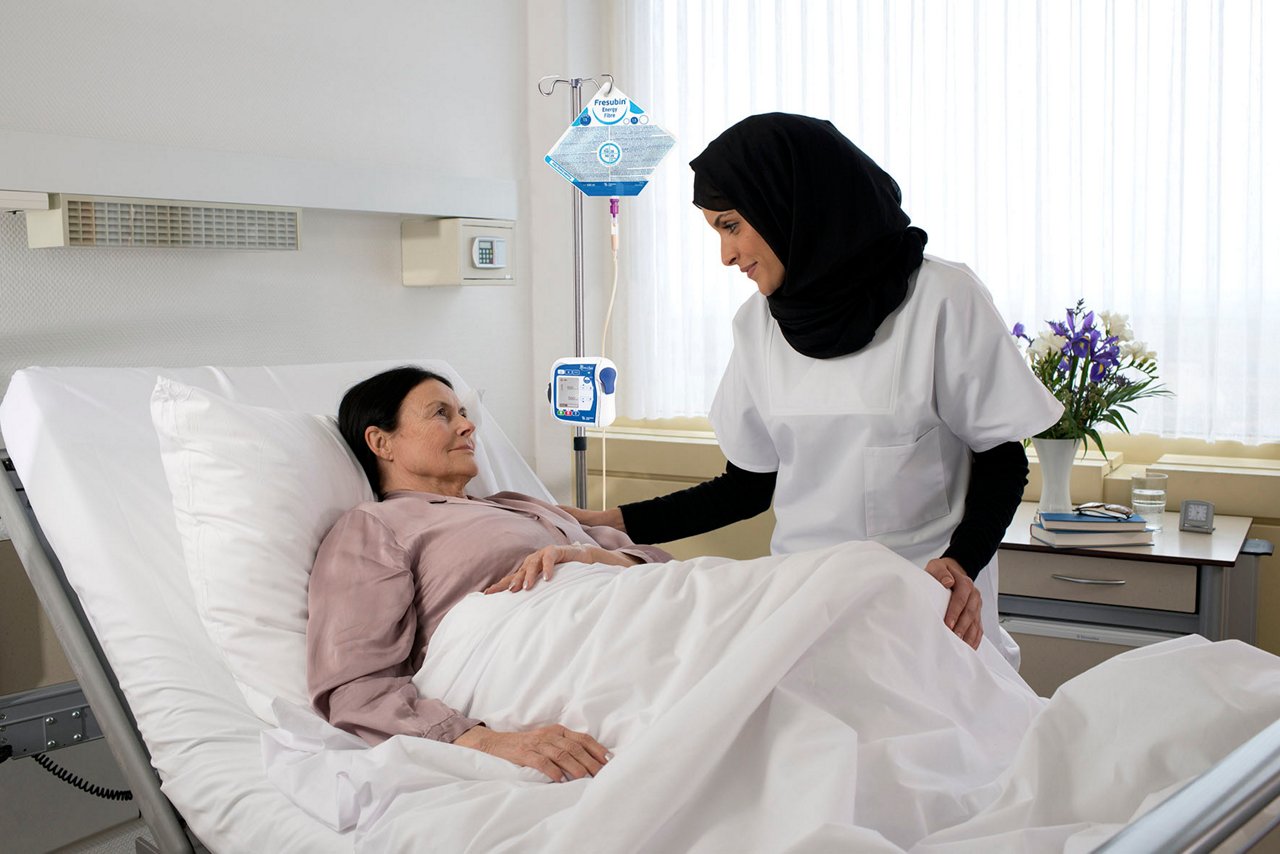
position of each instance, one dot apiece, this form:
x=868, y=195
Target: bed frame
x=1230, y=807
x=92, y=669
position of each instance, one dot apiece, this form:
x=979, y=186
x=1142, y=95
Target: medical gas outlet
x=457, y=251
x=582, y=391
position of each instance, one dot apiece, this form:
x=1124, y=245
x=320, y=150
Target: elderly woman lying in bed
x=389, y=571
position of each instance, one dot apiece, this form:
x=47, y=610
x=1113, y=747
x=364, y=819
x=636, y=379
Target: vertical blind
x=1123, y=152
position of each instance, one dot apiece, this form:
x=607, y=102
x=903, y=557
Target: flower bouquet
x=1092, y=364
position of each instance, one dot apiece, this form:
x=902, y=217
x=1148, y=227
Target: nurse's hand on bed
x=560, y=753
x=542, y=564
x=594, y=518
x=964, y=611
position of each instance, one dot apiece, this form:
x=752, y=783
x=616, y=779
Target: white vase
x=1056, y=457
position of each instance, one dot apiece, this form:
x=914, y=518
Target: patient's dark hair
x=375, y=402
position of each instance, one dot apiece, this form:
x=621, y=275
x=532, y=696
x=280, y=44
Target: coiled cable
x=71, y=779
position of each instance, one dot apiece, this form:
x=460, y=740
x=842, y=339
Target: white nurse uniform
x=875, y=445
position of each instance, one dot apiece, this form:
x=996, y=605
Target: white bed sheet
x=83, y=442
x=811, y=702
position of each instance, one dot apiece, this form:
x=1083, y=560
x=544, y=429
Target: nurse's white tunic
x=875, y=445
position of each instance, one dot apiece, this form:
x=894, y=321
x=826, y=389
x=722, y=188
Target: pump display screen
x=581, y=391
x=567, y=392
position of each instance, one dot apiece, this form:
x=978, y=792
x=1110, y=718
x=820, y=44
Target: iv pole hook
x=546, y=88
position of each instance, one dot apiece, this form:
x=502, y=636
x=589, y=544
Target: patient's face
x=433, y=446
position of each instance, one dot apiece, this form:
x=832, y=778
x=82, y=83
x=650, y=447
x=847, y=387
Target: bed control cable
x=71, y=779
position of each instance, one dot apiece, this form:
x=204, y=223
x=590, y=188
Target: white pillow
x=254, y=492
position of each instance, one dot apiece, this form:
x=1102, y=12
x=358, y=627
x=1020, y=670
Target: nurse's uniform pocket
x=905, y=485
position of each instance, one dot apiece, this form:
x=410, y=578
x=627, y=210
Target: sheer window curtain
x=1124, y=152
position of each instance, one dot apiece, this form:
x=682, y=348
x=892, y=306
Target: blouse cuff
x=450, y=728
x=646, y=554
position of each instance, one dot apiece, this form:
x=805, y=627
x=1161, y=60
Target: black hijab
x=831, y=215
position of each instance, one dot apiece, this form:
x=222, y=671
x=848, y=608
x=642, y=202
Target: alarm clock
x=1196, y=516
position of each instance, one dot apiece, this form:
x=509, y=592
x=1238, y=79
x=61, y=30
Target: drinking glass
x=1150, y=493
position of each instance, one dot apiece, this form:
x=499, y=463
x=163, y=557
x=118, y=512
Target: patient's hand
x=591, y=518
x=542, y=563
x=560, y=753
x=964, y=611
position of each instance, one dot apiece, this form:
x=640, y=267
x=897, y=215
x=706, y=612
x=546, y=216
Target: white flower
x=1137, y=350
x=1117, y=324
x=1047, y=344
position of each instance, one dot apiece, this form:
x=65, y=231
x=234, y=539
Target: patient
x=389, y=570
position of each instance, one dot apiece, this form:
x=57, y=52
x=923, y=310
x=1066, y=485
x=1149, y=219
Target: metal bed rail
x=90, y=666
x=1207, y=813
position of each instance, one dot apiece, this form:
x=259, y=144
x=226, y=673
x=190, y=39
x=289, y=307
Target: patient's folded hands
x=560, y=753
x=542, y=564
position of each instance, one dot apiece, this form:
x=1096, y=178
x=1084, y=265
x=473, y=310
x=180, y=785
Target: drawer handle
x=1107, y=581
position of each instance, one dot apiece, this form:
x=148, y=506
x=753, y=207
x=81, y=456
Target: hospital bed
x=90, y=512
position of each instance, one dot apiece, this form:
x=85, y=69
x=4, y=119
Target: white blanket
x=808, y=703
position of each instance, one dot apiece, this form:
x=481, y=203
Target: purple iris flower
x=1093, y=336
x=1097, y=372
x=1108, y=354
x=1020, y=331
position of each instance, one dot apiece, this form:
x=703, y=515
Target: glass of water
x=1150, y=493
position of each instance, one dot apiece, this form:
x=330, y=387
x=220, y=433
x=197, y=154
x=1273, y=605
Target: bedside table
x=1070, y=609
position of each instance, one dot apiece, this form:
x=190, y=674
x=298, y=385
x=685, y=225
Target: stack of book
x=1076, y=531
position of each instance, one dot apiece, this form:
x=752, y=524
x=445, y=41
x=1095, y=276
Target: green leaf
x=1098, y=439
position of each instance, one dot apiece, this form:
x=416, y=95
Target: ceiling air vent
x=109, y=221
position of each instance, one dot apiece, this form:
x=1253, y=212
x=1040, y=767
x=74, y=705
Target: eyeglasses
x=1106, y=511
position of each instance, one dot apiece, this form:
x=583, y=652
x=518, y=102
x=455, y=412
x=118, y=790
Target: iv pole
x=546, y=86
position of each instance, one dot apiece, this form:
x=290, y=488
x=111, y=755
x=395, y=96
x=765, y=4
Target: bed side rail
x=94, y=674
x=1203, y=815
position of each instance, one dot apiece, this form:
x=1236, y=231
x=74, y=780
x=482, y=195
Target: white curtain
x=1124, y=152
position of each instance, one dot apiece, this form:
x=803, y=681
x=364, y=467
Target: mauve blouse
x=387, y=573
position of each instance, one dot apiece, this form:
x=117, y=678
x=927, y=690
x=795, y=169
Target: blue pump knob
x=608, y=376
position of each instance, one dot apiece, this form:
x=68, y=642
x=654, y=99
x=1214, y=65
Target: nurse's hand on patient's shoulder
x=560, y=753
x=542, y=564
x=591, y=518
x=964, y=611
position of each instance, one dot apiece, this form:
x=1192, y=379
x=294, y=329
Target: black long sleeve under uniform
x=995, y=488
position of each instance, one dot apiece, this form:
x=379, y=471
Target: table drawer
x=1099, y=580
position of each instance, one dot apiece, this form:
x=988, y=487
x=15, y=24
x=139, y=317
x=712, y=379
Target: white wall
x=436, y=87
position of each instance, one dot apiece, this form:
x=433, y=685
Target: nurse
x=873, y=392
